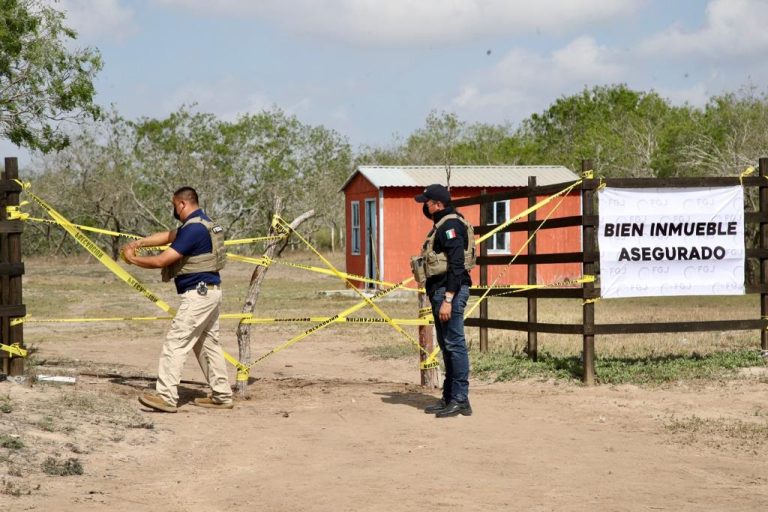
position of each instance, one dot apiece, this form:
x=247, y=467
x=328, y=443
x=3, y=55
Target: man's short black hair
x=187, y=194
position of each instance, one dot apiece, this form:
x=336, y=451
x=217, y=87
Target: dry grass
x=654, y=309
x=51, y=422
x=720, y=433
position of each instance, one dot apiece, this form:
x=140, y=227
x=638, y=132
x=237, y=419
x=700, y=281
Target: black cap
x=435, y=192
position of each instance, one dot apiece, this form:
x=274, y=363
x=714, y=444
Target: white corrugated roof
x=463, y=175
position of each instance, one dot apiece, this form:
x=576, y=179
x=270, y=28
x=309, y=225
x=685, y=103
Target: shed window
x=499, y=214
x=355, y=241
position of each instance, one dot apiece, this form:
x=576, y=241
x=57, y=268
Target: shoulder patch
x=450, y=234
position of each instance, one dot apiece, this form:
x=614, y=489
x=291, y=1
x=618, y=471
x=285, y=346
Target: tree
x=621, y=130
x=327, y=165
x=43, y=83
x=446, y=140
x=90, y=181
x=120, y=175
x=729, y=135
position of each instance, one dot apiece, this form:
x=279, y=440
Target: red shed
x=385, y=226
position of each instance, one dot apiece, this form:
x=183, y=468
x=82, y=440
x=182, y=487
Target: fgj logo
x=699, y=204
x=617, y=271
x=730, y=288
x=694, y=270
x=656, y=270
x=654, y=202
x=675, y=288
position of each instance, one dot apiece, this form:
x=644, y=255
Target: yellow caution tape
x=562, y=195
x=748, y=171
x=285, y=226
x=13, y=213
x=241, y=241
x=425, y=312
x=353, y=320
x=265, y=262
x=100, y=255
x=431, y=361
x=525, y=212
x=93, y=319
x=245, y=318
x=329, y=321
x=344, y=275
x=18, y=321
x=85, y=228
x=243, y=371
x=108, y=262
x=14, y=349
x=557, y=284
x=590, y=301
x=564, y=282
x=429, y=364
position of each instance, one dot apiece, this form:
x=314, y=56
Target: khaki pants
x=195, y=327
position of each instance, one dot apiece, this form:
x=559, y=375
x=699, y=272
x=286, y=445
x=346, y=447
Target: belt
x=209, y=286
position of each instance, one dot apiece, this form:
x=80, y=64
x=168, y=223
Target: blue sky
x=374, y=69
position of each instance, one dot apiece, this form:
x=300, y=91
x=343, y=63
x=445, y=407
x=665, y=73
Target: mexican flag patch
x=450, y=234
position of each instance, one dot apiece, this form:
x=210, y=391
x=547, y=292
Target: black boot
x=439, y=406
x=455, y=408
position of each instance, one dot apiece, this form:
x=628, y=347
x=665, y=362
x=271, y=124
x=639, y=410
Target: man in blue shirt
x=195, y=256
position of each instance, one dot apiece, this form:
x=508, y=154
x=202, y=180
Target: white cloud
x=733, y=28
x=405, y=22
x=582, y=59
x=228, y=98
x=524, y=81
x=97, y=20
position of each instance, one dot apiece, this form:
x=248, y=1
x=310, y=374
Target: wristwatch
x=449, y=299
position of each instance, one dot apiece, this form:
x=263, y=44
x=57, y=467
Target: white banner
x=671, y=241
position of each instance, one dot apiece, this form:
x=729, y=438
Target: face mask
x=425, y=211
x=176, y=214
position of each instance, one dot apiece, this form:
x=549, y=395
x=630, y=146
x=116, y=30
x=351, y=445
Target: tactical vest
x=430, y=263
x=208, y=262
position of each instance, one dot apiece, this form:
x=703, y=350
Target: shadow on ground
x=415, y=399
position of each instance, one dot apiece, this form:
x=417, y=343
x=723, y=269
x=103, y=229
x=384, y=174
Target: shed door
x=371, y=242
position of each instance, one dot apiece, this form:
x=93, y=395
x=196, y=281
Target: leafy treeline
x=626, y=133
x=120, y=174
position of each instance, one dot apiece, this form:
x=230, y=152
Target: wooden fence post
x=11, y=270
x=763, y=166
x=588, y=268
x=429, y=377
x=533, y=348
x=484, y=209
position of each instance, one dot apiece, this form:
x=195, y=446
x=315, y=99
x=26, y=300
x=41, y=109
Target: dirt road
x=327, y=429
